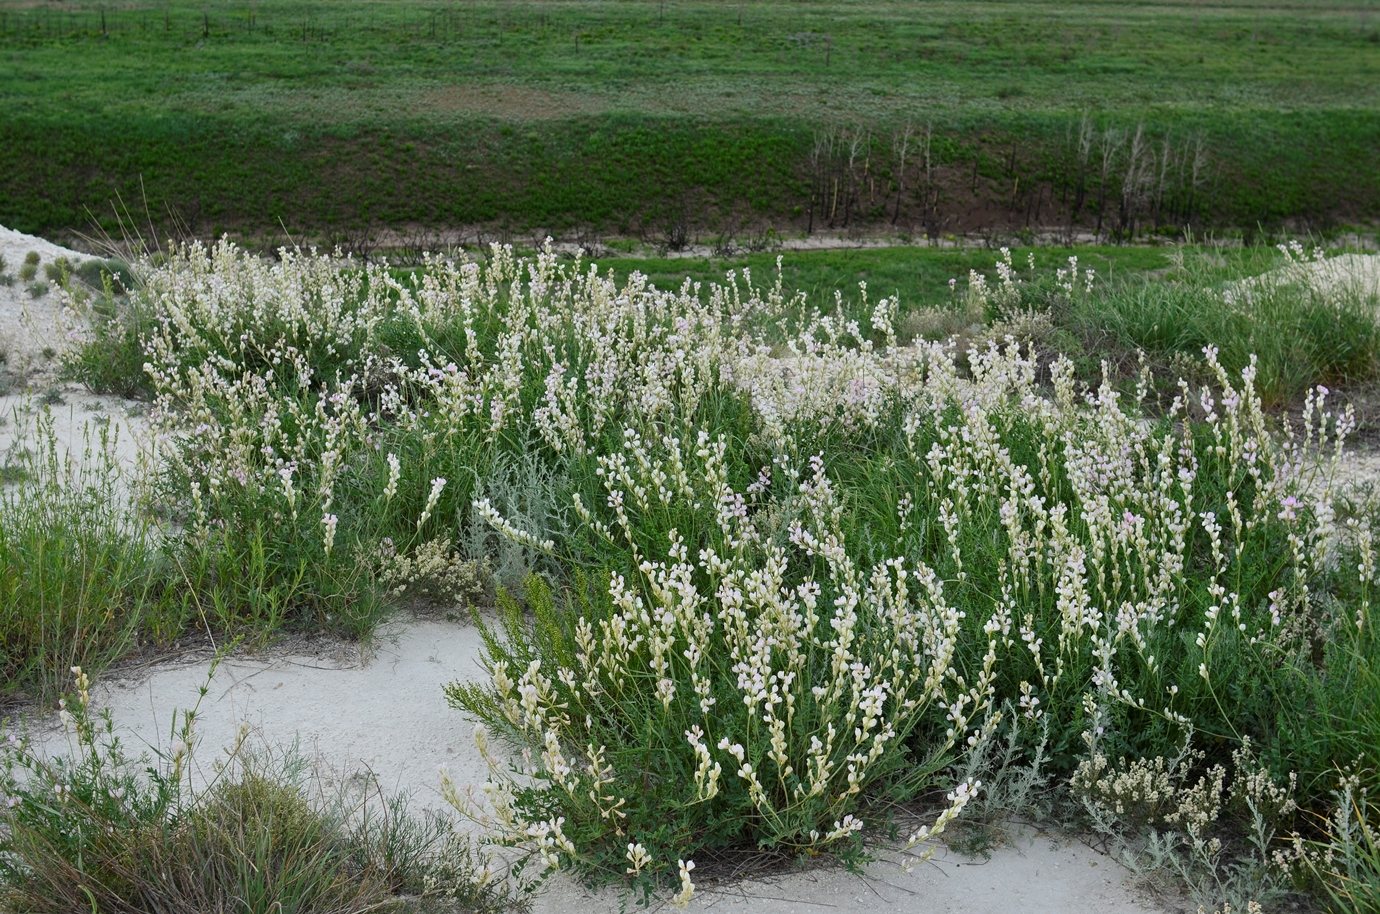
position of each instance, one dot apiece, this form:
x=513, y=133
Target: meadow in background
x=673, y=122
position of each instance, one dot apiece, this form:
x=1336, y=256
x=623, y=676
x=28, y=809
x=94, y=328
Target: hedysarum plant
x=756, y=686
x=1126, y=583
x=764, y=526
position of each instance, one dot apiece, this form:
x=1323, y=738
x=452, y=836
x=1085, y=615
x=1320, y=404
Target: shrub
x=58, y=271
x=111, y=276
x=1045, y=514
x=741, y=713
x=338, y=410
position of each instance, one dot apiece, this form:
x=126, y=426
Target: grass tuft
x=100, y=830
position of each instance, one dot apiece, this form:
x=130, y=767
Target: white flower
x=329, y=522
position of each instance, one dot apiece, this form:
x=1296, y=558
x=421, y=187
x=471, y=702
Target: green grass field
x=666, y=119
x=763, y=565
x=918, y=277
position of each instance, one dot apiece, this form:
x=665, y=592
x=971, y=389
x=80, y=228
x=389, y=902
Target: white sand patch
x=14, y=245
x=33, y=335
x=386, y=713
x=389, y=715
x=1351, y=275
x=30, y=326
x=1033, y=873
x=82, y=423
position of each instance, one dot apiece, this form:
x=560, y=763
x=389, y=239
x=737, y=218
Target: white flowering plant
x=1066, y=554
x=754, y=685
x=796, y=568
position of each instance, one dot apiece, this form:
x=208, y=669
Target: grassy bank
x=917, y=277
x=661, y=119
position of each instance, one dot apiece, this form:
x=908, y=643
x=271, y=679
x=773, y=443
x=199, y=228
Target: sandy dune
x=388, y=715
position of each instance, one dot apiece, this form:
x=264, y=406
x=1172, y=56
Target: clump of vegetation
x=109, y=276
x=1298, y=331
x=86, y=580
x=100, y=830
x=1298, y=327
x=37, y=289
x=58, y=271
x=29, y=268
x=1346, y=864
x=110, y=356
x=80, y=580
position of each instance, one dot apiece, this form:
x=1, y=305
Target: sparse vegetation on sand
x=103, y=830
x=82, y=582
x=28, y=270
x=781, y=575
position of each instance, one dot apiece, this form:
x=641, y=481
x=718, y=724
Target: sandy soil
x=388, y=715
x=1359, y=272
x=28, y=325
x=32, y=336
x=1351, y=274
